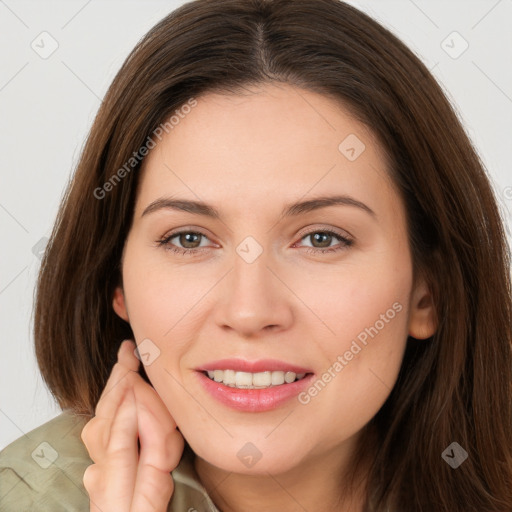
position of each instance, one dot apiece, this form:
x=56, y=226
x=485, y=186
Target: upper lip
x=261, y=365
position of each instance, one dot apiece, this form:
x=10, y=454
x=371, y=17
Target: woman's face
x=255, y=284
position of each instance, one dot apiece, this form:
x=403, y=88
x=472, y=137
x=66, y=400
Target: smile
x=254, y=399
x=247, y=380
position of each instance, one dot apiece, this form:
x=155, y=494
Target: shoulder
x=44, y=468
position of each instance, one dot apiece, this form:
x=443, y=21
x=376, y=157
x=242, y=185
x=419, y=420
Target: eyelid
x=345, y=240
x=321, y=228
x=186, y=229
x=303, y=233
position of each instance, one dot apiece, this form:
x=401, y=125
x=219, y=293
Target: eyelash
x=164, y=242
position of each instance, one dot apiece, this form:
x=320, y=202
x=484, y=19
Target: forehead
x=271, y=142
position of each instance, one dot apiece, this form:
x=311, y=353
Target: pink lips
x=262, y=365
x=253, y=400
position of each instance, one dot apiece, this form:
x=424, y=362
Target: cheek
x=361, y=333
x=367, y=316
x=355, y=301
x=163, y=303
x=160, y=297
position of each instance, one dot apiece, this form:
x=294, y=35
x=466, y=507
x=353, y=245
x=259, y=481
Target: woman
x=275, y=195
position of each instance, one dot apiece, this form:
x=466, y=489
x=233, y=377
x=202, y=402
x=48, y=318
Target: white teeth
x=277, y=378
x=261, y=379
x=243, y=379
x=229, y=377
x=246, y=380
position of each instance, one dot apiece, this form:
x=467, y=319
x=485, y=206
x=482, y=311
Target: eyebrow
x=291, y=210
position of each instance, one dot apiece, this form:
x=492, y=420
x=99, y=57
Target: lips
x=261, y=365
x=254, y=400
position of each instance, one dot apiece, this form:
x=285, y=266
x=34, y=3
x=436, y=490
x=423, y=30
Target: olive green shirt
x=43, y=471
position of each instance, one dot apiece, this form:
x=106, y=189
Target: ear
x=422, y=314
x=119, y=304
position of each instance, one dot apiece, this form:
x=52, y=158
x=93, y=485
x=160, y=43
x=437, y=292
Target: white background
x=47, y=107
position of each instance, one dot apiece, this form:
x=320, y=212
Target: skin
x=249, y=156
x=122, y=478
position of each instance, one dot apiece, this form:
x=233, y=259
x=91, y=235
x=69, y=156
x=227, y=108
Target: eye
x=188, y=239
x=324, y=239
x=190, y=242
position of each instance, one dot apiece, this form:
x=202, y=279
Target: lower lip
x=254, y=400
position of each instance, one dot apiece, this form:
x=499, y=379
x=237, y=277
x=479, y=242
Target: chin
x=250, y=458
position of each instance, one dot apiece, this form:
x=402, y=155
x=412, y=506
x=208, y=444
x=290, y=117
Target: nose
x=254, y=299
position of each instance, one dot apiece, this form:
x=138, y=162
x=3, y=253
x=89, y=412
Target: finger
x=122, y=455
x=159, y=438
x=147, y=397
x=126, y=355
x=106, y=409
x=126, y=365
x=161, y=449
x=124, y=431
x=111, y=481
x=126, y=362
x=96, y=434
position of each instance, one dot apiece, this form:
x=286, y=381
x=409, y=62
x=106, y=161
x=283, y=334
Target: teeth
x=246, y=380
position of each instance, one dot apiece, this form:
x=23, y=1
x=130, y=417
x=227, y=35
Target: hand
x=129, y=409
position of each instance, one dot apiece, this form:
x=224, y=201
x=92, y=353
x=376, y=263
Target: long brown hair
x=453, y=387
